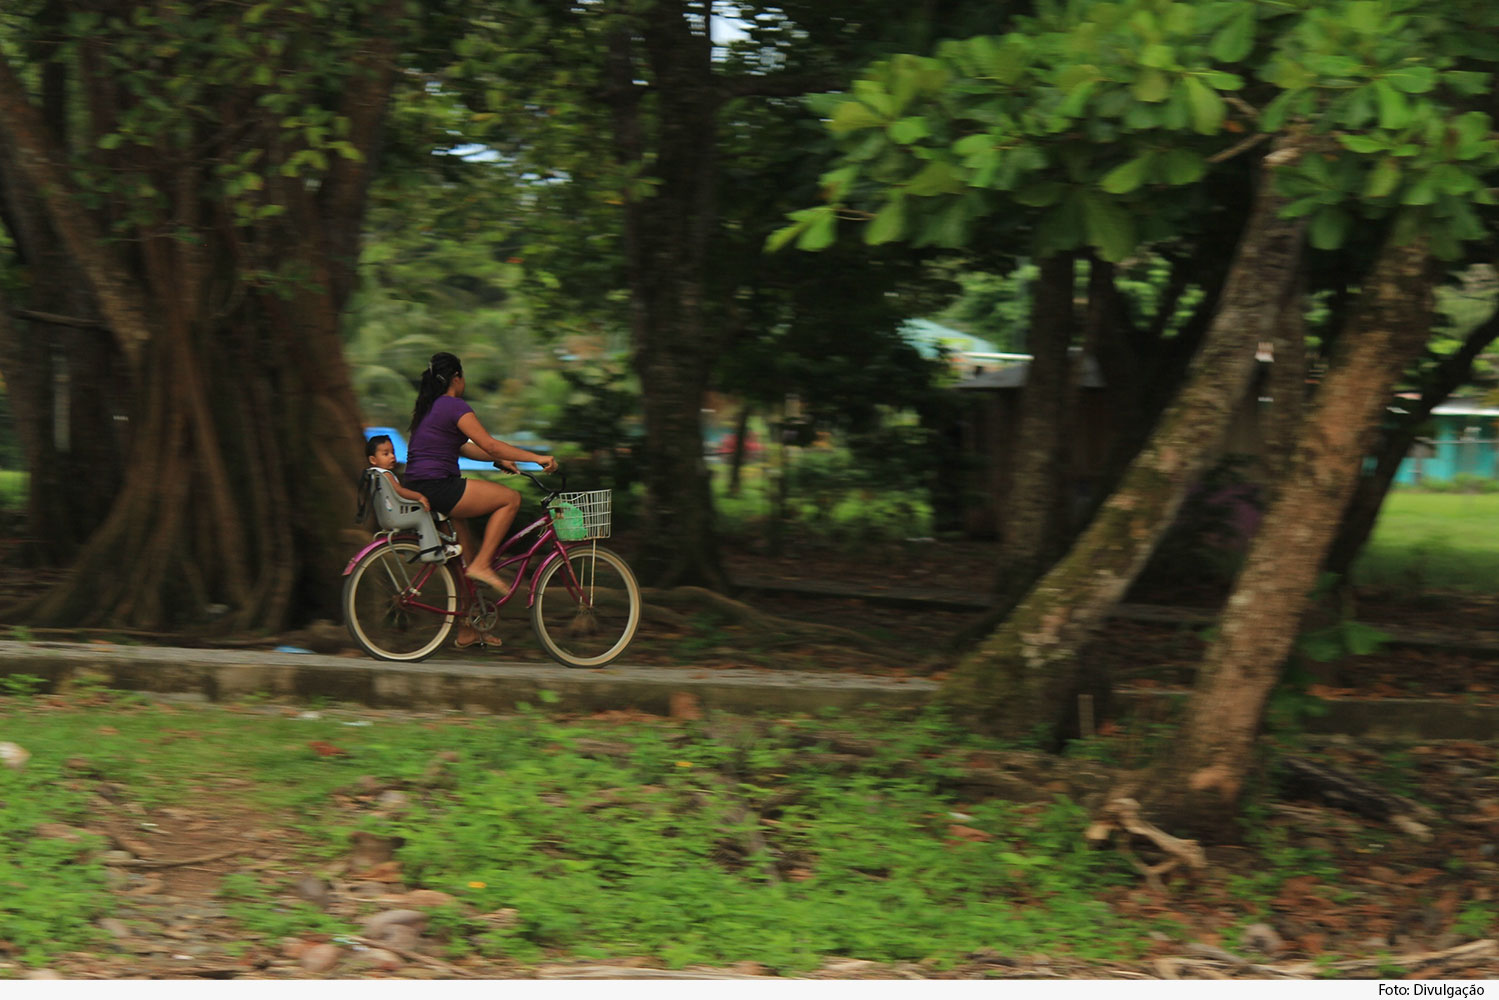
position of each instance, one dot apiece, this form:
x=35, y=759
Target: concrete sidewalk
x=500, y=686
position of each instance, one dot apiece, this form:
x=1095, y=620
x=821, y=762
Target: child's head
x=380, y=452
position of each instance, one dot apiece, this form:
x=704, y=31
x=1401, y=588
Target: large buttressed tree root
x=217, y=244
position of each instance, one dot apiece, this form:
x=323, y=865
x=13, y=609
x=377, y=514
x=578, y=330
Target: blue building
x=1464, y=442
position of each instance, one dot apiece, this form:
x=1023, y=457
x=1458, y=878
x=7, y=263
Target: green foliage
x=21, y=685
x=656, y=839
x=1093, y=116
x=599, y=418
x=53, y=888
x=1088, y=115
x=264, y=910
x=278, y=69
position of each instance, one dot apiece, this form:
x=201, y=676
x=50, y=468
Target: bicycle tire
x=376, y=619
x=586, y=634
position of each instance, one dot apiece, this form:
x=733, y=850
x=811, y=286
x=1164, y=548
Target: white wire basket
x=578, y=516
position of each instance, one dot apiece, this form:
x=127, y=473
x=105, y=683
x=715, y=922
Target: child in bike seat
x=382, y=458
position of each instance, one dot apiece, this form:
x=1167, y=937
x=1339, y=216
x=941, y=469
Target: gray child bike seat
x=392, y=513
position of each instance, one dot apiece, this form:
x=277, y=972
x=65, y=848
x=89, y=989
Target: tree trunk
x=1202, y=782
x=736, y=460
x=666, y=247
x=65, y=377
x=1035, y=512
x=244, y=432
x=1286, y=387
x=1023, y=676
x=1363, y=509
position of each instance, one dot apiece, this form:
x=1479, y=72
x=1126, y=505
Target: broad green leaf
x=937, y=177
x=909, y=130
x=1363, y=143
x=1004, y=61
x=1235, y=40
x=1451, y=179
x=1475, y=134
x=780, y=237
x=1151, y=86
x=1358, y=108
x=888, y=223
x=1364, y=17
x=1142, y=117
x=834, y=184
x=985, y=170
x=1073, y=106
x=1041, y=194
x=1183, y=166
x=1412, y=79
x=1394, y=109
x=820, y=233
x=1077, y=75
x=1219, y=80
x=973, y=145
x=1383, y=179
x=1158, y=56
x=1128, y=175
x=1422, y=192
x=874, y=95
x=852, y=115
x=1335, y=66
x=1110, y=228
x=1468, y=83
x=1208, y=109
x=1328, y=228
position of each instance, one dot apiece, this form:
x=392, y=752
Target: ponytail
x=441, y=371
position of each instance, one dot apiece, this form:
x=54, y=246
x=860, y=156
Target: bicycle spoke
x=587, y=607
x=394, y=620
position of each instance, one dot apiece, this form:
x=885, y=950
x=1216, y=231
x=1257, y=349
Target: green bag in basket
x=568, y=520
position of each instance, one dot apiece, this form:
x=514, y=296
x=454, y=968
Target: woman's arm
x=495, y=450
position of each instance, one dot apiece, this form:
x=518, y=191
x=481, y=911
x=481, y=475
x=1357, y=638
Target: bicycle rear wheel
x=396, y=607
x=587, y=617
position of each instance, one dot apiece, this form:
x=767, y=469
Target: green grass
x=1434, y=541
x=625, y=839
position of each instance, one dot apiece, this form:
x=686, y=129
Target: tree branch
x=42, y=161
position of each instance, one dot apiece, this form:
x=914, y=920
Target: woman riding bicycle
x=443, y=427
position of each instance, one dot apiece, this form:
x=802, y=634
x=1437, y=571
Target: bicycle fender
x=372, y=546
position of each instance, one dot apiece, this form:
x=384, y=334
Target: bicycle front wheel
x=587, y=607
x=398, y=608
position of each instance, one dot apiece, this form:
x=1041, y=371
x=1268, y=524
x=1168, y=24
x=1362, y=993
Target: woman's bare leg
x=466, y=542
x=501, y=503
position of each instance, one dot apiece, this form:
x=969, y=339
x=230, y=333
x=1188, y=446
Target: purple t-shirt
x=432, y=452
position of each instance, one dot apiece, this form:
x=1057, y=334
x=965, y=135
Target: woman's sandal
x=480, y=639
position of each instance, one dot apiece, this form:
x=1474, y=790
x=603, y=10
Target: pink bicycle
x=583, y=598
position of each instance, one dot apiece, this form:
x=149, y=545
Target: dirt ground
x=1414, y=896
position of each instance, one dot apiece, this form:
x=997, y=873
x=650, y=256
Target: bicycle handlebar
x=524, y=468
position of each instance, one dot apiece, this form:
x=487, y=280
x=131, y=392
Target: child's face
x=384, y=456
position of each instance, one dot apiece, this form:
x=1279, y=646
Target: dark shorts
x=442, y=494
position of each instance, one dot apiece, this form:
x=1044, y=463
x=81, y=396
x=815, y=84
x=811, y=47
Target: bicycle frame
x=547, y=533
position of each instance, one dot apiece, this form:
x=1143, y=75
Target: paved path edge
x=501, y=686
